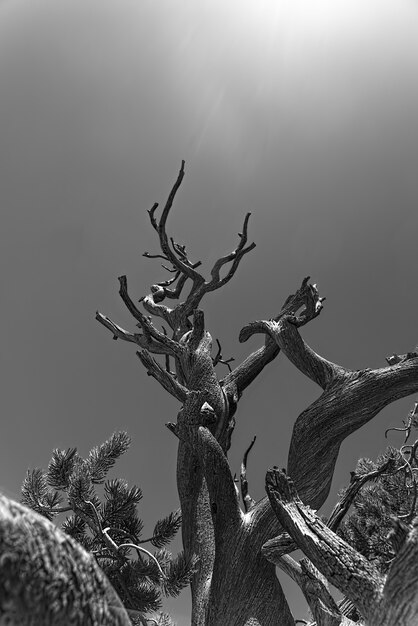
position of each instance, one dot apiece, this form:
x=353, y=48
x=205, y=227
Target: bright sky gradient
x=300, y=111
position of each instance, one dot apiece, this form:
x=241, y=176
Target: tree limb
x=341, y=565
x=145, y=341
x=356, y=483
x=350, y=399
x=246, y=498
x=179, y=263
x=165, y=379
x=323, y=607
x=172, y=347
x=279, y=546
x=283, y=330
x=243, y=375
x=235, y=256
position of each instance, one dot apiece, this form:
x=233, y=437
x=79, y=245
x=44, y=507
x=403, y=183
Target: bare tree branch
x=343, y=566
x=118, y=331
x=283, y=330
x=346, y=404
x=306, y=297
x=165, y=379
x=235, y=256
x=246, y=498
x=181, y=264
x=172, y=347
x=218, y=358
x=410, y=421
x=356, y=483
x=322, y=605
x=176, y=292
x=198, y=330
x=278, y=546
x=144, y=341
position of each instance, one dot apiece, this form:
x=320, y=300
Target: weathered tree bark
x=382, y=600
x=46, y=578
x=235, y=583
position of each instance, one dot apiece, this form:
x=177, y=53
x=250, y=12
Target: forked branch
x=235, y=256
x=306, y=298
x=177, y=259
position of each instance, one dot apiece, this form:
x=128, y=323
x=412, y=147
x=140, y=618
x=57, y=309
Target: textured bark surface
x=47, y=579
x=236, y=582
x=381, y=600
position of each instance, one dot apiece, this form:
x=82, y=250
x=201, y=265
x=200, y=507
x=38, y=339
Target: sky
x=302, y=112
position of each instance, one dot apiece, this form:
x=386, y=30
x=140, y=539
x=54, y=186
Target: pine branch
x=102, y=458
x=80, y=485
x=166, y=529
x=179, y=574
x=74, y=526
x=120, y=501
x=38, y=497
x=60, y=467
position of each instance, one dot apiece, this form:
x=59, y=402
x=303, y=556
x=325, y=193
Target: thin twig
x=356, y=483
x=140, y=549
x=218, y=358
x=149, y=329
x=235, y=256
x=248, y=501
x=412, y=416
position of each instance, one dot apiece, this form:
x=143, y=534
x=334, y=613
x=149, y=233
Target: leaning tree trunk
x=235, y=583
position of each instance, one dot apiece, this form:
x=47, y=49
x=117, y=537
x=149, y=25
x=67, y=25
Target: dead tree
x=236, y=583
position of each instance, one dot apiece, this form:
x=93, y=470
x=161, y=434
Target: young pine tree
x=109, y=527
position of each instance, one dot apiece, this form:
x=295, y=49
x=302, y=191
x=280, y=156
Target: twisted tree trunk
x=236, y=582
x=47, y=578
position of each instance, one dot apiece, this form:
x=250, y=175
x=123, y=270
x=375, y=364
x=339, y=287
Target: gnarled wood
x=235, y=584
x=349, y=400
x=382, y=600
